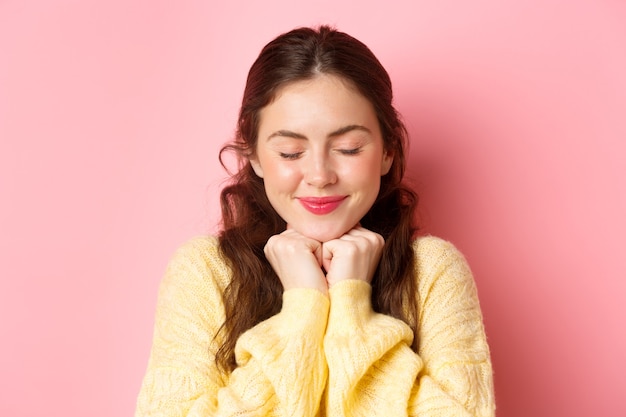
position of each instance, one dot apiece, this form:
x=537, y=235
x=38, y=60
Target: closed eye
x=290, y=156
x=354, y=151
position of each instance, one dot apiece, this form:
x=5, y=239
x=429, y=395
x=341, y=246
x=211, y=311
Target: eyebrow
x=338, y=132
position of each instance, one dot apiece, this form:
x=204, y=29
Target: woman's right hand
x=297, y=260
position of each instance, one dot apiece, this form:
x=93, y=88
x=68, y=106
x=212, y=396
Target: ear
x=256, y=166
x=386, y=163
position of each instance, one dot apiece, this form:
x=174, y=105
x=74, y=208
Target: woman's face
x=320, y=153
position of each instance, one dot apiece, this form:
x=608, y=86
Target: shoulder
x=197, y=248
x=198, y=262
x=438, y=261
x=432, y=251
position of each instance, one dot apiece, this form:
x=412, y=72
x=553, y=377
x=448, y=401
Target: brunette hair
x=248, y=218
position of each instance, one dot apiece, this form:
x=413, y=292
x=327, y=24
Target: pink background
x=112, y=112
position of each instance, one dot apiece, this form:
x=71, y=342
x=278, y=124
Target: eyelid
x=290, y=155
x=351, y=145
x=350, y=151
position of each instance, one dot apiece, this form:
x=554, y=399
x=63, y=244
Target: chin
x=323, y=235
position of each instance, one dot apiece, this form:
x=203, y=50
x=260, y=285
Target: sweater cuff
x=304, y=309
x=350, y=304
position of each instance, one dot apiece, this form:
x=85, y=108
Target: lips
x=321, y=205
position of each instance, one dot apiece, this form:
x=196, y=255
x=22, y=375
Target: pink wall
x=111, y=114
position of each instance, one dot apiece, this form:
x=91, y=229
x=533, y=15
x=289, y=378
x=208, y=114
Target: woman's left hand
x=354, y=255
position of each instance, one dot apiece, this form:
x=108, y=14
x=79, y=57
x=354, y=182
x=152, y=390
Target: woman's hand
x=354, y=255
x=297, y=260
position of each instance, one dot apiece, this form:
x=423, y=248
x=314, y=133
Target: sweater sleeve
x=374, y=372
x=281, y=368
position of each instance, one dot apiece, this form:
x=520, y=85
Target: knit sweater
x=320, y=355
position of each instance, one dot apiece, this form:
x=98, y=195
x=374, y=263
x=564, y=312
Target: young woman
x=317, y=299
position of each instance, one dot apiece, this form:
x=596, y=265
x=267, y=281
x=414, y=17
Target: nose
x=320, y=171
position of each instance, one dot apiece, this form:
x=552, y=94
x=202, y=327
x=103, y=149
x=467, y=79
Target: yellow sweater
x=320, y=356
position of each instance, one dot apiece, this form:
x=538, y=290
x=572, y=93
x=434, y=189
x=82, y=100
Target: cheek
x=281, y=177
x=362, y=172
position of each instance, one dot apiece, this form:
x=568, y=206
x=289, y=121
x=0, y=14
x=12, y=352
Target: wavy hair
x=248, y=218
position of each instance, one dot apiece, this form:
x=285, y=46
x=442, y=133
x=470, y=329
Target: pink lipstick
x=321, y=205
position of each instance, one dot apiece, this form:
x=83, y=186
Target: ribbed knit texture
x=320, y=356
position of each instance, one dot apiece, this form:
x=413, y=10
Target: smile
x=321, y=205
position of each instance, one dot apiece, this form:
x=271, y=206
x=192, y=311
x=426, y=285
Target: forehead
x=322, y=99
x=329, y=79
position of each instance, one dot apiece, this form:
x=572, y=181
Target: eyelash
x=290, y=156
x=296, y=155
x=350, y=151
